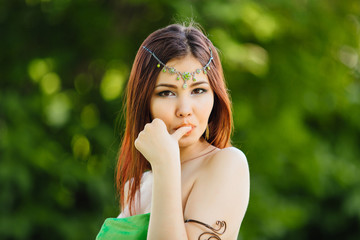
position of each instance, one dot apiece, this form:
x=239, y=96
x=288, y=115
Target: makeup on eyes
x=168, y=93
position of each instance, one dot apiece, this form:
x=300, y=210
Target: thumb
x=181, y=132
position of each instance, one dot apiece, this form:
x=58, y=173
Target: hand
x=157, y=145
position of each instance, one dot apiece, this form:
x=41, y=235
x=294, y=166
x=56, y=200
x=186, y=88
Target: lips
x=185, y=125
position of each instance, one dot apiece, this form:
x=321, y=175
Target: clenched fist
x=157, y=145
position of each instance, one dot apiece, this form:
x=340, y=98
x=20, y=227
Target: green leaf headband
x=184, y=75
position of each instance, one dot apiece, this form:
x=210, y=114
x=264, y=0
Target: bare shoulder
x=222, y=186
x=228, y=166
x=231, y=153
x=226, y=159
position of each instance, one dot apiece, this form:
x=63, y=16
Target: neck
x=193, y=150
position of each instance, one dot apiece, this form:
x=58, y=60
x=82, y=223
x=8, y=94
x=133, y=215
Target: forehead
x=185, y=64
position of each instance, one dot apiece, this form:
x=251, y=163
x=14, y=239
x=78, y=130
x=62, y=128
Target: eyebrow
x=175, y=86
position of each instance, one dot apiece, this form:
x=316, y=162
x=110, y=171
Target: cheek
x=205, y=107
x=155, y=110
x=160, y=109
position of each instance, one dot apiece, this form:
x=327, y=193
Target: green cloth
x=129, y=228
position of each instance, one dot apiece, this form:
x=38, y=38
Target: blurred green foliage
x=293, y=71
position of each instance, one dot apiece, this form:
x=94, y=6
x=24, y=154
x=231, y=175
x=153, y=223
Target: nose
x=184, y=108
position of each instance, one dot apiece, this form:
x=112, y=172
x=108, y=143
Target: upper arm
x=220, y=193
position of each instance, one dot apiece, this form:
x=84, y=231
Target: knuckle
x=158, y=122
x=141, y=135
x=136, y=143
x=146, y=127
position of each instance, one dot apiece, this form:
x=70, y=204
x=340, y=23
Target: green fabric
x=130, y=228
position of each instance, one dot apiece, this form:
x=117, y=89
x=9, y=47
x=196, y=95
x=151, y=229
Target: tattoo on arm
x=215, y=231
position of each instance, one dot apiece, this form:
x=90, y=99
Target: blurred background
x=293, y=71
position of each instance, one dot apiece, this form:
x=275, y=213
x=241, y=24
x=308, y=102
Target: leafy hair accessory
x=184, y=75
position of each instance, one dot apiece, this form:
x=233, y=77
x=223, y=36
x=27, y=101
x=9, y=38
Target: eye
x=199, y=91
x=166, y=94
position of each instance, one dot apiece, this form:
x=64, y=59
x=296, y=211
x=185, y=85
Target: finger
x=137, y=144
x=179, y=133
x=159, y=122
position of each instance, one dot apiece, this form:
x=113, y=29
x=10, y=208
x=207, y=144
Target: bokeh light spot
x=111, y=84
x=349, y=56
x=253, y=58
x=50, y=83
x=90, y=116
x=263, y=25
x=57, y=110
x=39, y=67
x=81, y=147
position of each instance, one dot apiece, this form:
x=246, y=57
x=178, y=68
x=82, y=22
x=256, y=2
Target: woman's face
x=177, y=106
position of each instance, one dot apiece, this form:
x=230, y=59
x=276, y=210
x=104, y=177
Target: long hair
x=173, y=41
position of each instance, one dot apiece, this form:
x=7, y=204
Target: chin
x=188, y=141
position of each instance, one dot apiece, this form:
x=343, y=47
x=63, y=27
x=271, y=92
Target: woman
x=178, y=176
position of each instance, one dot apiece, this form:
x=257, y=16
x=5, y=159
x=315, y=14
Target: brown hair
x=173, y=41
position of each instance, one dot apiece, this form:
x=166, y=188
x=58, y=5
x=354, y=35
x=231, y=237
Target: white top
x=145, y=199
